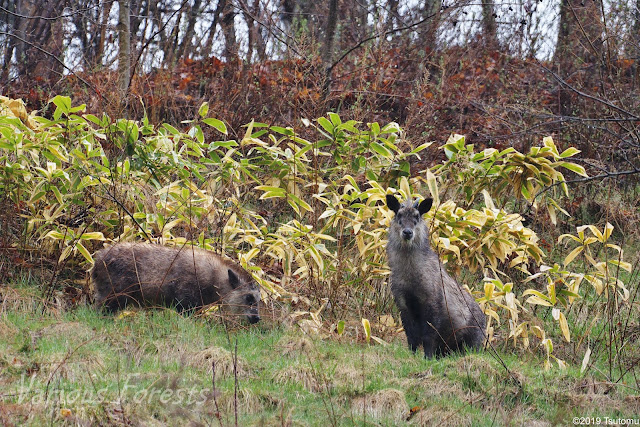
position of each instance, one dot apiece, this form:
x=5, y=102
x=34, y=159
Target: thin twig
x=586, y=95
x=89, y=85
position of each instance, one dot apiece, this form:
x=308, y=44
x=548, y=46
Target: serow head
x=244, y=298
x=408, y=215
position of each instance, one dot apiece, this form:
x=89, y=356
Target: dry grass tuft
x=388, y=403
x=349, y=374
x=476, y=365
x=301, y=375
x=439, y=417
x=12, y=299
x=247, y=402
x=434, y=386
x=10, y=413
x=7, y=330
x=292, y=346
x=76, y=330
x=604, y=403
x=61, y=365
x=221, y=358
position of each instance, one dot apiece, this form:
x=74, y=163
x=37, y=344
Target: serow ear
x=393, y=203
x=234, y=281
x=424, y=207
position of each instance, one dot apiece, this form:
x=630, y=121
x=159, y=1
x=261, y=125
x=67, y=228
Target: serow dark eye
x=249, y=299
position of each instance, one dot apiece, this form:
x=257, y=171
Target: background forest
x=270, y=131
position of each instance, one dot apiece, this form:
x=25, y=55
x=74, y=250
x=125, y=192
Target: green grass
x=155, y=367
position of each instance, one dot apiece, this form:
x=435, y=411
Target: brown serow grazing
x=436, y=312
x=185, y=278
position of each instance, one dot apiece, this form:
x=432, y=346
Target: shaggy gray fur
x=435, y=311
x=185, y=278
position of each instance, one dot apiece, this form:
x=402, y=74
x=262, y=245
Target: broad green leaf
x=282, y=131
x=335, y=119
x=574, y=168
x=304, y=205
x=326, y=125
x=340, y=327
x=421, y=147
x=608, y=229
x=569, y=152
x=204, y=109
x=93, y=235
x=56, y=193
x=62, y=102
x=84, y=252
x=380, y=149
x=53, y=234
x=65, y=254
x=219, y=125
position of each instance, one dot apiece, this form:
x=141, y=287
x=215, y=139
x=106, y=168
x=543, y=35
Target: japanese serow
x=436, y=312
x=186, y=278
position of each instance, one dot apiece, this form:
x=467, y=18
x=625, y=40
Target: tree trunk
x=39, y=48
x=579, y=46
x=251, y=33
x=429, y=33
x=206, y=49
x=635, y=39
x=186, y=45
x=261, y=45
x=124, y=48
x=229, y=31
x=327, y=49
x=489, y=24
x=392, y=16
x=329, y=34
x=580, y=35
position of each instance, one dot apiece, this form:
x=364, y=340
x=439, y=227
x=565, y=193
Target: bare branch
x=86, y=83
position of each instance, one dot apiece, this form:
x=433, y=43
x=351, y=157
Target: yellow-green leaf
x=585, y=360
x=84, y=252
x=432, y=185
x=574, y=253
x=340, y=327
x=367, y=329
x=562, y=321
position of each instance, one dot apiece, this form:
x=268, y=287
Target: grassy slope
x=154, y=367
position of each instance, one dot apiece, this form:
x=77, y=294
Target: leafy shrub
x=306, y=217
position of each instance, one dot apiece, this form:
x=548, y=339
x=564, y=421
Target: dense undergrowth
x=306, y=217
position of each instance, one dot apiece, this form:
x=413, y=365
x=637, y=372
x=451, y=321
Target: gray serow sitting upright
x=436, y=312
x=185, y=278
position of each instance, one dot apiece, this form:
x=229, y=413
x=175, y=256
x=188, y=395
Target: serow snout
x=253, y=317
x=407, y=234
